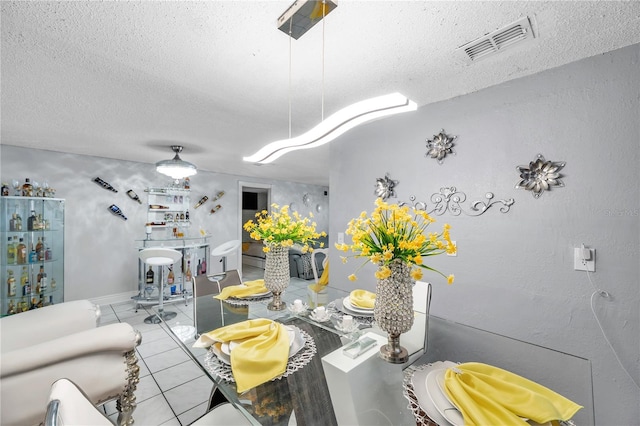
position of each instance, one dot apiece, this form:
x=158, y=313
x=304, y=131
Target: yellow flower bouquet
x=395, y=232
x=279, y=228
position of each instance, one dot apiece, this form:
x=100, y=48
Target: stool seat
x=159, y=256
x=226, y=248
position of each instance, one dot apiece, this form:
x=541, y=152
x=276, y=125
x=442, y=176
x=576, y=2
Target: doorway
x=254, y=197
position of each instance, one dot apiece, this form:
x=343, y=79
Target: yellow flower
x=266, y=249
x=416, y=274
x=450, y=279
x=344, y=259
x=352, y=277
x=383, y=272
x=376, y=258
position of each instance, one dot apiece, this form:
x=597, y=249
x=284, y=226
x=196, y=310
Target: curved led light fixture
x=176, y=168
x=335, y=125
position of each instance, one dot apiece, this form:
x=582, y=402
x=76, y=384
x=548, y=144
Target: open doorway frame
x=244, y=186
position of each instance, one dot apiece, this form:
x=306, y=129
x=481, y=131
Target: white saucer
x=346, y=302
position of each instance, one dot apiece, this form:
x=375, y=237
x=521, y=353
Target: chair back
x=68, y=405
x=229, y=278
x=314, y=267
x=203, y=285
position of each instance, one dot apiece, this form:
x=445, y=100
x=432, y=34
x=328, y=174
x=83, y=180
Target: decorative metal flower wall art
x=440, y=146
x=541, y=175
x=385, y=187
x=450, y=199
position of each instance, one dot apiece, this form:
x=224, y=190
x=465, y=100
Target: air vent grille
x=497, y=41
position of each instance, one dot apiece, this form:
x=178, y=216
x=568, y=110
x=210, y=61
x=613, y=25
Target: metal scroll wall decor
x=385, y=187
x=450, y=199
x=541, y=175
x=440, y=146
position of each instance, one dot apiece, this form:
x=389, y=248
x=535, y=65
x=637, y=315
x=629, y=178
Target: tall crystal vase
x=393, y=310
x=276, y=275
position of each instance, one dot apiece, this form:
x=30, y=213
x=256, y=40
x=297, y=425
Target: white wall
x=514, y=272
x=100, y=249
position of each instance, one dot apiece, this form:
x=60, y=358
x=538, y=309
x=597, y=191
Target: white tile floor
x=173, y=390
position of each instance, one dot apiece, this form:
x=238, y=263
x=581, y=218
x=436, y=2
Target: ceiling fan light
x=176, y=168
x=335, y=125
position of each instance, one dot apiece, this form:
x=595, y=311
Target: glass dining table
x=334, y=389
x=304, y=396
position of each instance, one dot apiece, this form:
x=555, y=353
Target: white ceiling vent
x=515, y=34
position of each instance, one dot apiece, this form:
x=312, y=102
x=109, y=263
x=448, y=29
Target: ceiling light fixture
x=299, y=18
x=335, y=125
x=176, y=168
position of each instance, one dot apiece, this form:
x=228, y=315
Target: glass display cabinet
x=32, y=261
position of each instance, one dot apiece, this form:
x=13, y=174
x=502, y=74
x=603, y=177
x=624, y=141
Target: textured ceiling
x=125, y=80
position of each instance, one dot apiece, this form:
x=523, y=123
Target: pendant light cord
x=290, y=37
x=324, y=8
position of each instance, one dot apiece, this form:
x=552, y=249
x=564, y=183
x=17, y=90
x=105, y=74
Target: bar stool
x=161, y=257
x=225, y=249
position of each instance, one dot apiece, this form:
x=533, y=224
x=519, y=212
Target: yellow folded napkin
x=487, y=395
x=362, y=299
x=323, y=281
x=247, y=289
x=261, y=355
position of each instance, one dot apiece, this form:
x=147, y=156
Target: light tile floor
x=173, y=389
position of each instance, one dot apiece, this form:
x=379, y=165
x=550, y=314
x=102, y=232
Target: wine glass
x=36, y=189
x=16, y=186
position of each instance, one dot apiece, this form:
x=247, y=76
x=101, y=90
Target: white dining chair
x=69, y=406
x=314, y=267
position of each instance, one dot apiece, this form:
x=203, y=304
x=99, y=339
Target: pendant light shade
x=335, y=125
x=176, y=168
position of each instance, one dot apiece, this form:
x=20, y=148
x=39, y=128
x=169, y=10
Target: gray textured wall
x=514, y=272
x=101, y=249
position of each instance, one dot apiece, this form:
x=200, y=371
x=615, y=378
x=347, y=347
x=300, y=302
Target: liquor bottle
x=18, y=222
x=218, y=196
x=53, y=283
x=11, y=284
x=24, y=305
x=33, y=256
x=50, y=300
x=48, y=254
x=40, y=275
x=181, y=216
x=24, y=282
x=12, y=222
x=170, y=276
x=201, y=202
x=188, y=272
x=215, y=209
x=104, y=184
x=44, y=282
x=204, y=266
x=40, y=302
x=157, y=207
x=186, y=216
x=40, y=249
x=21, y=252
x=27, y=188
x=40, y=223
x=116, y=211
x=12, y=308
x=150, y=276
x=31, y=220
x=5, y=189
x=11, y=252
x=187, y=183
x=134, y=196
x=199, y=268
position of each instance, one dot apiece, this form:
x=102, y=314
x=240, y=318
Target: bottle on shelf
x=12, y=308
x=204, y=266
x=218, y=196
x=187, y=273
x=187, y=183
x=40, y=249
x=157, y=207
x=11, y=251
x=186, y=216
x=12, y=222
x=51, y=300
x=41, y=223
x=21, y=252
x=48, y=254
x=40, y=302
x=27, y=188
x=150, y=275
x=53, y=283
x=5, y=189
x=24, y=282
x=170, y=276
x=32, y=221
x=18, y=222
x=33, y=256
x=199, y=267
x=24, y=305
x=11, y=284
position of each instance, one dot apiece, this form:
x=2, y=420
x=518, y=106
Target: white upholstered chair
x=69, y=406
x=40, y=346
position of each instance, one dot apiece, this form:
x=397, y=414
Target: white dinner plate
x=346, y=302
x=440, y=400
x=217, y=351
x=418, y=381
